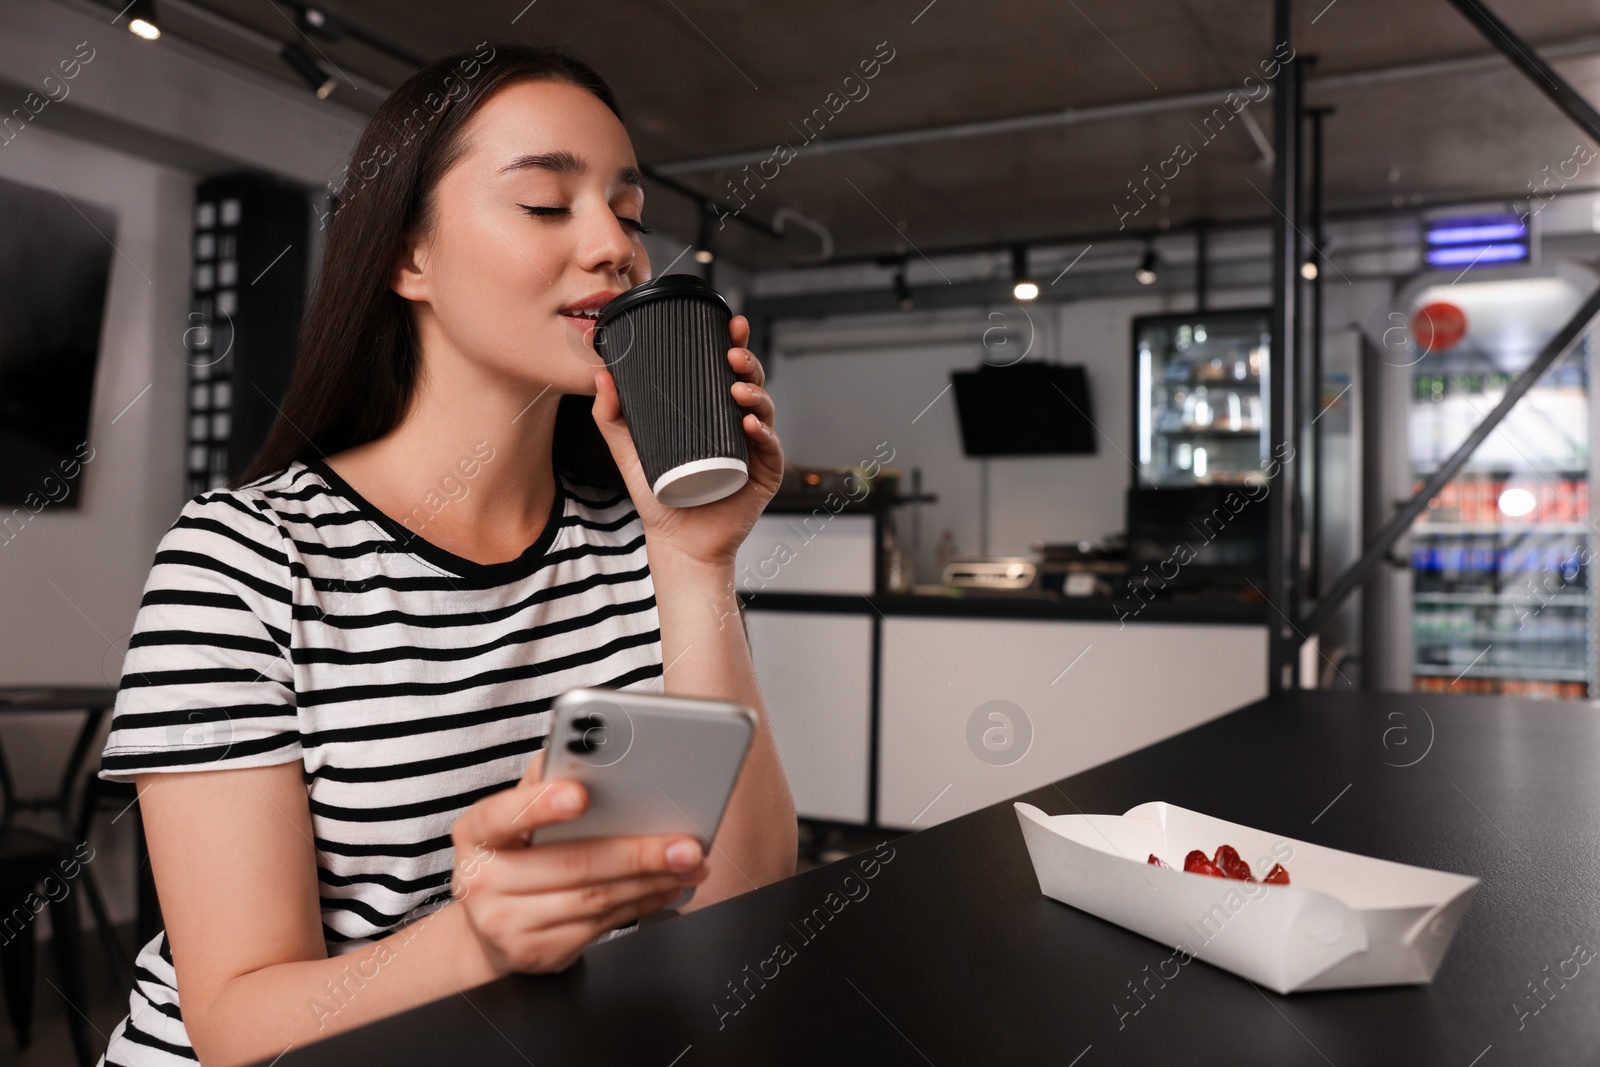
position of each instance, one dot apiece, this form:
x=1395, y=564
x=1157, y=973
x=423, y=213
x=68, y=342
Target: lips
x=583, y=314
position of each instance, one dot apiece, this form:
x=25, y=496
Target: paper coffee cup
x=666, y=343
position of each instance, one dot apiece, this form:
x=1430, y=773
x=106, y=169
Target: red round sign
x=1438, y=326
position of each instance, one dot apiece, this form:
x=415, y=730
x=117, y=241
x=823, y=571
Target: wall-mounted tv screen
x=54, y=267
x=1025, y=409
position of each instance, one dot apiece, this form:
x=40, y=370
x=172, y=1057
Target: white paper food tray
x=1344, y=920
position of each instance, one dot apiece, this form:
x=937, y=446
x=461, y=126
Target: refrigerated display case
x=1500, y=585
x=1199, y=407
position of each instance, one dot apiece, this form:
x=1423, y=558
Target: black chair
x=49, y=869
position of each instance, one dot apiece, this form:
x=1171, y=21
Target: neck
x=468, y=467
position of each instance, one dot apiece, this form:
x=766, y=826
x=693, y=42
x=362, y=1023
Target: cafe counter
x=904, y=711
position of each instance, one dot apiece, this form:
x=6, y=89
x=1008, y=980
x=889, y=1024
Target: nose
x=605, y=246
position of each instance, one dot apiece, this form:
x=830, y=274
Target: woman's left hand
x=709, y=533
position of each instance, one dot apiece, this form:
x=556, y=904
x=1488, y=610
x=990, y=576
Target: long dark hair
x=357, y=357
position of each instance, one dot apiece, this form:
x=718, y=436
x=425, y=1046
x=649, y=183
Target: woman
x=351, y=654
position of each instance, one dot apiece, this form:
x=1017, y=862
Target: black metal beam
x=1580, y=111
x=1522, y=55
x=1558, y=346
x=1282, y=541
x=1319, y=237
x=1176, y=280
x=1354, y=213
x=1304, y=473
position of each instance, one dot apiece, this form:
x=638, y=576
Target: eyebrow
x=564, y=162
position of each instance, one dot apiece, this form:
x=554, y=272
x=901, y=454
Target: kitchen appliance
x=1081, y=568
x=1003, y=574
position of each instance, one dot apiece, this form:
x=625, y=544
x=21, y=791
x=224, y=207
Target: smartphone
x=651, y=764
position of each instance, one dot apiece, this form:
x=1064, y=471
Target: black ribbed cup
x=666, y=343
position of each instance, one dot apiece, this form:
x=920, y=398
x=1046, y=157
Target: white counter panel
x=1090, y=692
x=815, y=671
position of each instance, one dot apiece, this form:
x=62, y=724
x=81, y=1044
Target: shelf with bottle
x=1519, y=687
x=1505, y=499
x=1211, y=431
x=1575, y=600
x=1456, y=621
x=1218, y=363
x=1506, y=639
x=1209, y=460
x=1205, y=409
x=1531, y=674
x=1504, y=529
x=1548, y=428
x=1527, y=563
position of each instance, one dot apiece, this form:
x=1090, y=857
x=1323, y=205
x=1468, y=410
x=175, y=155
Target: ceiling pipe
x=788, y=214
x=1583, y=46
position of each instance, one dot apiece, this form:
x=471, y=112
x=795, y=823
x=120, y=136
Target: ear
x=408, y=278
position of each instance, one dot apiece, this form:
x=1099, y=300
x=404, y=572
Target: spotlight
x=902, y=291
x=1146, y=274
x=1022, y=288
x=321, y=82
x=704, y=255
x=314, y=20
x=1308, y=269
x=142, y=20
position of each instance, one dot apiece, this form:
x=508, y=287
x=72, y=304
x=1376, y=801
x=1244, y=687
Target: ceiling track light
x=704, y=253
x=142, y=21
x=315, y=20
x=321, y=82
x=1149, y=267
x=1022, y=287
x=1308, y=269
x=902, y=291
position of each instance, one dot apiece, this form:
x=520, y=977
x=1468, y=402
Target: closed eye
x=548, y=212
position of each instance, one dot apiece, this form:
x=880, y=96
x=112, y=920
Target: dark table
x=952, y=956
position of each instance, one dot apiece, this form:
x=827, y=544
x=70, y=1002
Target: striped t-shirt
x=291, y=621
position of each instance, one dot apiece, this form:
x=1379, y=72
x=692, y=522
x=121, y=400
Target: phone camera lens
x=590, y=736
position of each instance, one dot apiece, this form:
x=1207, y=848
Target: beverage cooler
x=1500, y=598
x=1199, y=402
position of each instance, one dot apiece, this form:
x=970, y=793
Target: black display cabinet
x=250, y=238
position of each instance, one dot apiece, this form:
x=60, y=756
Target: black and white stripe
x=290, y=621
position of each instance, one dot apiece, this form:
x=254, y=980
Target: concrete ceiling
x=699, y=78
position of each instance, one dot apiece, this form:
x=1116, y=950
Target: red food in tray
x=1227, y=863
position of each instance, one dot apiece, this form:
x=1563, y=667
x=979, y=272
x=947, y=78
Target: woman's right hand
x=535, y=907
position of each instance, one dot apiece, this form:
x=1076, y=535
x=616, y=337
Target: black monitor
x=55, y=261
x=1025, y=409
